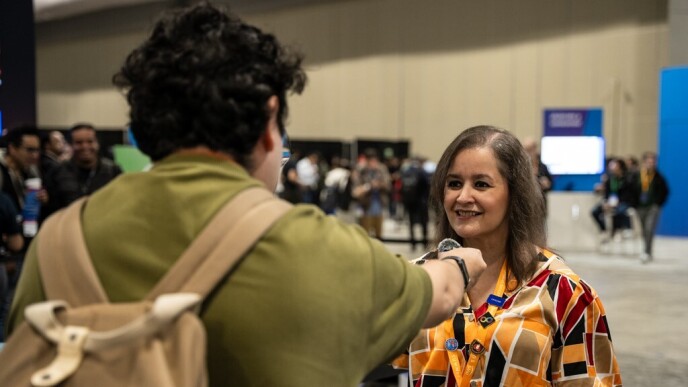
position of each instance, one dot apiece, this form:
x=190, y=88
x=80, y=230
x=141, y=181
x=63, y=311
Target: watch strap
x=462, y=266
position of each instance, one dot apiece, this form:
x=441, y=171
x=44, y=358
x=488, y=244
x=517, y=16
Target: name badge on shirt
x=495, y=300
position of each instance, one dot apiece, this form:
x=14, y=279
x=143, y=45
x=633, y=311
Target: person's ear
x=266, y=137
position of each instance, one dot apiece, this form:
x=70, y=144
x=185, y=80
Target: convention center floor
x=646, y=304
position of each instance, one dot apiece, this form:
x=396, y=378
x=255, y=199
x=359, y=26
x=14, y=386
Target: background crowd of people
x=64, y=171
x=364, y=192
x=631, y=190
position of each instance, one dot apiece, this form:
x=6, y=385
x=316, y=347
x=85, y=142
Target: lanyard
x=646, y=178
x=481, y=326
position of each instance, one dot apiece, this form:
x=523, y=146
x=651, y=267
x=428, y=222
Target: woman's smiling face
x=476, y=196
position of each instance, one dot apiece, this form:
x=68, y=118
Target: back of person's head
x=203, y=78
x=526, y=210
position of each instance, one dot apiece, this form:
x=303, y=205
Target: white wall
x=418, y=70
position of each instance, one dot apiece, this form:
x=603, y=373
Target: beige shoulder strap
x=238, y=227
x=70, y=275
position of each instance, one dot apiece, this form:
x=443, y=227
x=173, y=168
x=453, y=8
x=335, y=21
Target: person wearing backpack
x=314, y=302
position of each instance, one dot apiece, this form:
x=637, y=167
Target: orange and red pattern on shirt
x=551, y=331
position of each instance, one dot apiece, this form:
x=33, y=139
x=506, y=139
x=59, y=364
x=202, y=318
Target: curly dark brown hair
x=526, y=211
x=203, y=78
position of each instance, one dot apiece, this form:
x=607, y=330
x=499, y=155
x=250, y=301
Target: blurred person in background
x=54, y=148
x=335, y=184
x=86, y=172
x=21, y=162
x=308, y=172
x=544, y=178
x=371, y=185
x=11, y=244
x=654, y=191
x=618, y=195
x=291, y=188
x=415, y=191
x=19, y=165
x=632, y=164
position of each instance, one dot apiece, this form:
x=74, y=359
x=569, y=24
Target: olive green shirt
x=315, y=303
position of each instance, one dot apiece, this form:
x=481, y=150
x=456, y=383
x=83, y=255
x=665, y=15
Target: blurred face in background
x=650, y=162
x=56, y=143
x=27, y=154
x=85, y=147
x=614, y=168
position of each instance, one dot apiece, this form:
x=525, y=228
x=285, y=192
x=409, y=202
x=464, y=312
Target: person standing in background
x=619, y=194
x=632, y=164
x=12, y=243
x=54, y=148
x=544, y=178
x=308, y=171
x=20, y=164
x=654, y=192
x=371, y=185
x=86, y=172
x=335, y=184
x=415, y=191
x=291, y=189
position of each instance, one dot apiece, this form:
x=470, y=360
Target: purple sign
x=573, y=122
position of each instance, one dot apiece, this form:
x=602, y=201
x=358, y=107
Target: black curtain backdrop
x=17, y=63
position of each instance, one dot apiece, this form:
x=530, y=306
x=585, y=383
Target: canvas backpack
x=79, y=338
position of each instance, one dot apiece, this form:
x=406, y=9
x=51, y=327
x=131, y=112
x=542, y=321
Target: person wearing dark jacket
x=85, y=173
x=654, y=192
x=620, y=194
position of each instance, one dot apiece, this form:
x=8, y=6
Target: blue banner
x=571, y=123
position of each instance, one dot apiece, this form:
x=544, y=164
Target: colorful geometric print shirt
x=550, y=332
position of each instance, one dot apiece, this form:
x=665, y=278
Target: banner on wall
x=673, y=137
x=573, y=122
x=573, y=147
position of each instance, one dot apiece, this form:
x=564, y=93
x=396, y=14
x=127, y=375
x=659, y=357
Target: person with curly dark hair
x=529, y=320
x=315, y=302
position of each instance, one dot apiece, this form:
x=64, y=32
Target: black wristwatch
x=462, y=266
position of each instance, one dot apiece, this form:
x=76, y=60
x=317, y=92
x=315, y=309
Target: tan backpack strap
x=65, y=266
x=227, y=238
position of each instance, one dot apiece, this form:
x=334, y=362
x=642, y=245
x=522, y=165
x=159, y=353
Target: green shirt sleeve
x=402, y=294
